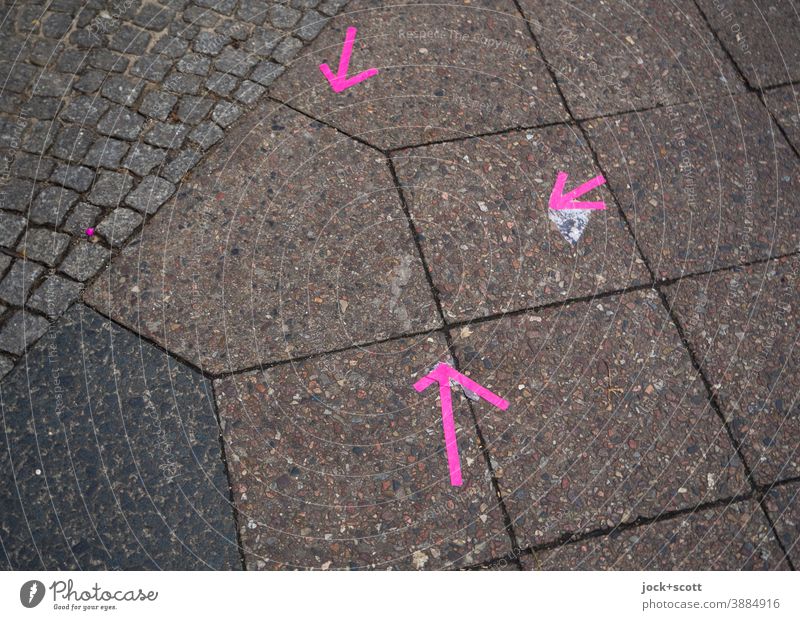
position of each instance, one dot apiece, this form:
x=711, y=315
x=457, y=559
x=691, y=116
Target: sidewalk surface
x=220, y=280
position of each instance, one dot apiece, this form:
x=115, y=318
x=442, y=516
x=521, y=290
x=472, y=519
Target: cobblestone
x=11, y=227
x=106, y=153
x=20, y=331
x=43, y=245
x=142, y=158
x=78, y=178
x=110, y=188
x=84, y=260
x=17, y=283
x=151, y=193
x=119, y=225
x=54, y=295
x=83, y=216
x=51, y=205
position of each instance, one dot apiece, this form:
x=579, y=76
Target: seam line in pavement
x=507, y=523
x=223, y=457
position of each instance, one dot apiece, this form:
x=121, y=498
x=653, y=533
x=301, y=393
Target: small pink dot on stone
x=90, y=231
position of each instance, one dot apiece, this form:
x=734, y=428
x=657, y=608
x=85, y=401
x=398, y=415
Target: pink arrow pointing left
x=340, y=81
x=443, y=373
x=559, y=200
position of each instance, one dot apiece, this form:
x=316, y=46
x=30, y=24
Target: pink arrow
x=340, y=81
x=559, y=200
x=443, y=373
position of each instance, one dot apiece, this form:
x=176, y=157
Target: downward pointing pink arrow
x=559, y=200
x=443, y=373
x=340, y=81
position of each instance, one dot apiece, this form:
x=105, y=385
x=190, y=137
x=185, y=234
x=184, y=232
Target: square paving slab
x=290, y=240
x=784, y=103
x=732, y=537
x=488, y=234
x=444, y=71
x=110, y=458
x=337, y=462
x=783, y=505
x=761, y=35
x=743, y=327
x=617, y=56
x=704, y=185
x=608, y=421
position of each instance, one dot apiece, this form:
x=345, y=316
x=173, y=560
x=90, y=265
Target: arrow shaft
x=582, y=189
x=347, y=49
x=450, y=440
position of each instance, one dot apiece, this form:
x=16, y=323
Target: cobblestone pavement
x=220, y=279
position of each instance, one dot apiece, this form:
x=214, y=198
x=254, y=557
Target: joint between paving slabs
x=223, y=457
x=758, y=493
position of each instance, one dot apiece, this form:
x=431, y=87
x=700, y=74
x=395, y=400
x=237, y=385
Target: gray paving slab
x=619, y=56
x=728, y=538
x=608, y=420
x=743, y=326
x=761, y=36
x=444, y=71
x=110, y=457
x=337, y=462
x=783, y=506
x=785, y=106
x=704, y=185
x=292, y=241
x=481, y=209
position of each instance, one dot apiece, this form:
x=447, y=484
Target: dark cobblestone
x=72, y=143
x=106, y=153
x=20, y=331
x=183, y=162
x=43, y=245
x=167, y=135
x=54, y=295
x=266, y=72
x=119, y=122
x=118, y=225
x=85, y=110
x=157, y=104
x=51, y=205
x=192, y=110
x=206, y=134
x=283, y=17
x=236, y=62
x=210, y=43
x=226, y=113
x=221, y=83
x=142, y=158
x=287, y=50
x=78, y=178
x=83, y=216
x=17, y=283
x=110, y=188
x=249, y=92
x=152, y=68
x=150, y=194
x=122, y=90
x=194, y=63
x=84, y=260
x=11, y=227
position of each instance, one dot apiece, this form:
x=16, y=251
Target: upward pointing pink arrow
x=340, y=81
x=443, y=373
